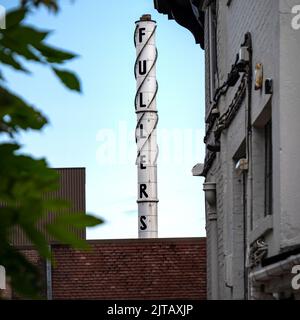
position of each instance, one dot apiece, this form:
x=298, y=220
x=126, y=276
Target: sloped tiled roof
x=131, y=269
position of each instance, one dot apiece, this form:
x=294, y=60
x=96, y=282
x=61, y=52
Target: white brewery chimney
x=147, y=119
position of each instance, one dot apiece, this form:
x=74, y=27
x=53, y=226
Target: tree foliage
x=25, y=180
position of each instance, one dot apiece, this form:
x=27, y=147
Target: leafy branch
x=24, y=180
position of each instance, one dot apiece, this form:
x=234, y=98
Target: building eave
x=187, y=13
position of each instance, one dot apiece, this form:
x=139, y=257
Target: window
x=268, y=170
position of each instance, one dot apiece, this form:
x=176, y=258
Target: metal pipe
x=209, y=189
x=249, y=183
x=49, y=277
x=147, y=119
x=214, y=265
x=245, y=259
x=273, y=271
x=211, y=55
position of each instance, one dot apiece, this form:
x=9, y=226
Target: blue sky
x=84, y=126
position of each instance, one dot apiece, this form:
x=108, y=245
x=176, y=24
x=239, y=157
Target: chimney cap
x=145, y=17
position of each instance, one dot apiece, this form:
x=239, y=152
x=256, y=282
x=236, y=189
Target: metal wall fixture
x=241, y=166
x=217, y=122
x=209, y=189
x=269, y=86
x=259, y=76
x=243, y=58
x=147, y=119
x=198, y=169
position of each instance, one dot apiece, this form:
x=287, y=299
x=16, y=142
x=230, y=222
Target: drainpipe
x=49, y=277
x=209, y=189
x=273, y=271
x=249, y=196
x=211, y=57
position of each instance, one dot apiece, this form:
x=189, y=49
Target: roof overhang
x=187, y=13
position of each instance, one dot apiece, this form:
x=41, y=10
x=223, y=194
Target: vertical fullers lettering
x=141, y=34
x=147, y=119
x=142, y=131
x=142, y=105
x=143, y=193
x=142, y=67
x=142, y=162
x=143, y=225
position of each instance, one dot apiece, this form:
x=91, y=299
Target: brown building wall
x=132, y=269
x=72, y=189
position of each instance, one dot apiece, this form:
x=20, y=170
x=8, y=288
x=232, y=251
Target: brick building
x=251, y=167
x=135, y=269
x=71, y=189
x=116, y=269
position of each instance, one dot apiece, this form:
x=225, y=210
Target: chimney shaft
x=147, y=119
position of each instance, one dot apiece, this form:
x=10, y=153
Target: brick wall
x=33, y=257
x=132, y=269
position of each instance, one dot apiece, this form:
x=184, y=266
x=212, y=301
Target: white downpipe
x=209, y=189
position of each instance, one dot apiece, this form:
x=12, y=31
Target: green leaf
x=62, y=227
x=25, y=180
x=8, y=59
x=21, y=50
x=1, y=76
x=63, y=235
x=79, y=220
x=8, y=149
x=26, y=35
x=54, y=55
x=68, y=78
x=20, y=115
x=9, y=217
x=15, y=17
x=52, y=5
x=21, y=40
x=56, y=204
x=38, y=239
